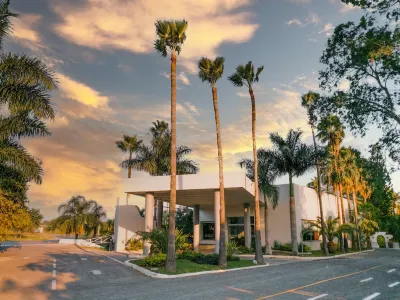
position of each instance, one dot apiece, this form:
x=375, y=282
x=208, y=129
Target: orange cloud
x=22, y=28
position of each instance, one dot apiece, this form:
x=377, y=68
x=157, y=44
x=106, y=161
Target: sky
x=112, y=82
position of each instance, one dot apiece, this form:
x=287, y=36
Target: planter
x=396, y=245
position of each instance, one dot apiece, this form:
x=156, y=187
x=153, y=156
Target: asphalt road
x=48, y=271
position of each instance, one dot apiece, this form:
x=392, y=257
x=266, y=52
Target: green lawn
x=187, y=266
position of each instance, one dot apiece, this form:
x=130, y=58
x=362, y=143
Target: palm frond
x=22, y=125
x=5, y=22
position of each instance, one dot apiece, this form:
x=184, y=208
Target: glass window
x=236, y=220
x=208, y=230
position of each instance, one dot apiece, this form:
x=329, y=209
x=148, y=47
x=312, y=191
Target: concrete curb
x=304, y=258
x=165, y=276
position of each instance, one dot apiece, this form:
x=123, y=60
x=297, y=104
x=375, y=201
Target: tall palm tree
x=266, y=177
x=331, y=131
x=75, y=213
x=246, y=76
x=308, y=101
x=170, y=37
x=130, y=144
x=211, y=71
x=290, y=156
x=97, y=213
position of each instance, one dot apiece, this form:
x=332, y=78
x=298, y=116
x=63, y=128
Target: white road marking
x=54, y=273
x=394, y=284
x=365, y=280
x=26, y=257
x=54, y=260
x=392, y=270
x=96, y=272
x=372, y=296
x=54, y=266
x=318, y=297
x=53, y=285
x=83, y=258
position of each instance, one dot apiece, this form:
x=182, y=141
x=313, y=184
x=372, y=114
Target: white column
x=217, y=218
x=196, y=228
x=247, y=225
x=148, y=219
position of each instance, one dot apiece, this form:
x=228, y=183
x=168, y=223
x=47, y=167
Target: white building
x=201, y=192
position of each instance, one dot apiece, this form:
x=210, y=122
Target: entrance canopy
x=196, y=189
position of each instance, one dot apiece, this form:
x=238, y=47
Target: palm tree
x=211, y=71
x=97, y=213
x=245, y=76
x=170, y=36
x=308, y=101
x=294, y=158
x=266, y=177
x=75, y=213
x=130, y=144
x=25, y=89
x=331, y=131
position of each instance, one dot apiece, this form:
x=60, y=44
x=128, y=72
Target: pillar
x=247, y=225
x=196, y=228
x=217, y=217
x=148, y=219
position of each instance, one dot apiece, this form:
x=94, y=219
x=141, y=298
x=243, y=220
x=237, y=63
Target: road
x=51, y=271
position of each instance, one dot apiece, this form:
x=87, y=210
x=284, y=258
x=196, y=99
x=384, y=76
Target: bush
x=232, y=258
x=245, y=250
x=134, y=244
x=210, y=259
x=159, y=240
x=305, y=249
x=232, y=248
x=381, y=241
x=155, y=260
x=282, y=247
x=189, y=255
x=390, y=243
x=332, y=247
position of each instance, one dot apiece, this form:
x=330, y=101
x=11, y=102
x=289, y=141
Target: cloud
x=80, y=92
x=125, y=68
x=348, y=8
x=344, y=85
x=180, y=77
x=23, y=28
x=109, y=25
x=327, y=30
x=312, y=18
x=295, y=22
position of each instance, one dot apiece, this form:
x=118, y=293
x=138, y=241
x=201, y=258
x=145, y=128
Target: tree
x=245, y=76
x=131, y=145
x=96, y=215
x=365, y=54
x=36, y=217
x=184, y=220
x=290, y=156
x=308, y=101
x=211, y=71
x=171, y=36
x=76, y=213
x=266, y=177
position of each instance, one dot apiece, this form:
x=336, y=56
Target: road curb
x=305, y=258
x=165, y=276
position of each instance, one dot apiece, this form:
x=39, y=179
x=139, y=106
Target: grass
x=31, y=237
x=187, y=266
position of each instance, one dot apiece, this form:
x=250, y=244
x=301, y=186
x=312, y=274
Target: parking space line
x=367, y=279
x=318, y=297
x=54, y=273
x=372, y=296
x=239, y=290
x=392, y=270
x=393, y=284
x=53, y=285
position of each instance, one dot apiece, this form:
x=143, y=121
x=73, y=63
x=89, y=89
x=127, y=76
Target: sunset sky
x=112, y=82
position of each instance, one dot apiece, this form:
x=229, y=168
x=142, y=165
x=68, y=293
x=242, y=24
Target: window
x=208, y=229
x=236, y=227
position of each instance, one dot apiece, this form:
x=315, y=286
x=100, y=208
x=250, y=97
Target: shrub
x=232, y=248
x=244, y=250
x=305, y=249
x=210, y=259
x=134, y=244
x=277, y=245
x=154, y=260
x=381, y=241
x=332, y=247
x=189, y=255
x=232, y=258
x=159, y=240
x=390, y=243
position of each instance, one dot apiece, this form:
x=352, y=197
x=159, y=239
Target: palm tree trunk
x=268, y=249
x=293, y=225
x=130, y=167
x=358, y=237
x=160, y=207
x=341, y=241
x=223, y=234
x=170, y=264
x=345, y=240
x=257, y=231
x=321, y=210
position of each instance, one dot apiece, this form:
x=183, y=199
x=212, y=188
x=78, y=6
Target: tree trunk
x=257, y=230
x=170, y=264
x=293, y=225
x=130, y=167
x=356, y=218
x=345, y=236
x=321, y=210
x=223, y=230
x=160, y=207
x=268, y=249
x=341, y=239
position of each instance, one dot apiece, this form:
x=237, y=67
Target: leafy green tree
x=246, y=76
x=290, y=156
x=266, y=178
x=211, y=71
x=96, y=215
x=366, y=55
x=184, y=220
x=170, y=37
x=129, y=144
x=36, y=217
